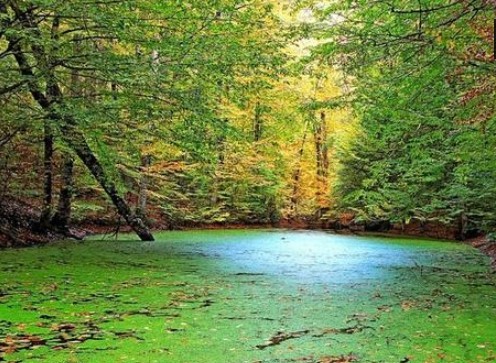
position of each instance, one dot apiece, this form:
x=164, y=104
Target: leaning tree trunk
x=70, y=134
x=76, y=140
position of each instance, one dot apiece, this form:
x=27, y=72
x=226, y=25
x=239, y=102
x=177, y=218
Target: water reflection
x=310, y=256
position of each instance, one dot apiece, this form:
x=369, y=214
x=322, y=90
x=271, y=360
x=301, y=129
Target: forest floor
x=19, y=225
x=245, y=296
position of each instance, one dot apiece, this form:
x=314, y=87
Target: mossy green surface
x=223, y=296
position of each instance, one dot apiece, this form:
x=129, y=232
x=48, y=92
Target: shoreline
x=25, y=236
x=481, y=242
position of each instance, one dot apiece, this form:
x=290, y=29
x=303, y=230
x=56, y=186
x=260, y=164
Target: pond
x=247, y=296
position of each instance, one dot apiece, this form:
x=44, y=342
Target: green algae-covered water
x=247, y=296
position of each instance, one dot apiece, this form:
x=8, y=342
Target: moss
x=214, y=296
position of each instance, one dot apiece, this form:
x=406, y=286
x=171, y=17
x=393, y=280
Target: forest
x=226, y=112
x=229, y=130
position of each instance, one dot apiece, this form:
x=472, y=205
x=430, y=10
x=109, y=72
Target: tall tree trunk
x=146, y=161
x=322, y=161
x=297, y=176
x=258, y=123
x=62, y=217
x=321, y=149
x=462, y=226
x=221, y=158
x=45, y=63
x=46, y=211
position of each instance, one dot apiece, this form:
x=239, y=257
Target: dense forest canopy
x=170, y=114
x=425, y=100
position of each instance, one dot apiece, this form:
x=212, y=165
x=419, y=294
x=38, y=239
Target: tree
x=420, y=71
x=96, y=71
